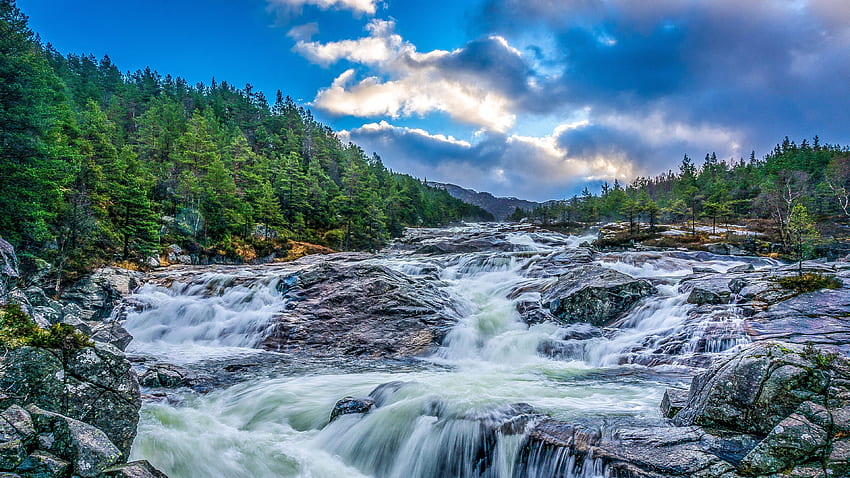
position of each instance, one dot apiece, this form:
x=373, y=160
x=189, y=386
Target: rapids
x=452, y=414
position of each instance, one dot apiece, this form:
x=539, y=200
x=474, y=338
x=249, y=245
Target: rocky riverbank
x=769, y=362
x=70, y=409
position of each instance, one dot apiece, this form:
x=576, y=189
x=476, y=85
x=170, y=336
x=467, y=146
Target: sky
x=526, y=98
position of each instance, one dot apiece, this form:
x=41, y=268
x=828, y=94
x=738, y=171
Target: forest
x=102, y=166
x=795, y=191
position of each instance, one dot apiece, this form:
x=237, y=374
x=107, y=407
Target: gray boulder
x=90, y=384
x=86, y=447
x=99, y=293
x=360, y=309
x=756, y=389
x=164, y=375
x=352, y=406
x=135, y=469
x=594, y=294
x=41, y=464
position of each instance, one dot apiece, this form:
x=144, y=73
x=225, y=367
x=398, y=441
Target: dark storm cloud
x=761, y=68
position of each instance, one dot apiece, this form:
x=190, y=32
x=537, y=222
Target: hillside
x=101, y=166
x=499, y=207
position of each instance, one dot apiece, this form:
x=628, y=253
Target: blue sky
x=526, y=98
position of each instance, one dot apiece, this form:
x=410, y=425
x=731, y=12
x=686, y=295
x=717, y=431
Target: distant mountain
x=499, y=207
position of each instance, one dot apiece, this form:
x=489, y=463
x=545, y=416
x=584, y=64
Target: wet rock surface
x=594, y=294
x=770, y=410
x=361, y=309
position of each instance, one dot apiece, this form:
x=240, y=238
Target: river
x=443, y=415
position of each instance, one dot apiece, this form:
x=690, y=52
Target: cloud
x=631, y=86
x=513, y=165
x=369, y=7
x=479, y=84
x=762, y=69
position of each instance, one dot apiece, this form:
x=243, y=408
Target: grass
x=809, y=282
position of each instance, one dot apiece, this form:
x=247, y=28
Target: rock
x=821, y=318
x=742, y=268
x=594, y=294
x=725, y=249
x=794, y=440
x=756, y=389
x=8, y=270
x=556, y=264
x=166, y=376
x=360, y=309
x=86, y=447
x=91, y=384
x=350, y=406
x=16, y=434
x=382, y=393
x=705, y=270
x=674, y=400
x=99, y=293
x=557, y=449
x=111, y=332
x=135, y=469
x=707, y=290
x=41, y=464
x=103, y=391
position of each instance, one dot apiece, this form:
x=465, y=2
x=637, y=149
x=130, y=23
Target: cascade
x=464, y=411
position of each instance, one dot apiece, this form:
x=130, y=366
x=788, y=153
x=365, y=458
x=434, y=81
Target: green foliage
x=101, y=167
x=809, y=282
x=17, y=329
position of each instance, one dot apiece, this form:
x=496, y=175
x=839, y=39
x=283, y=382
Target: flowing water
x=454, y=414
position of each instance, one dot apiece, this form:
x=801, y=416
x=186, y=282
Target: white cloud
x=657, y=130
x=533, y=167
x=368, y=7
x=383, y=126
x=407, y=82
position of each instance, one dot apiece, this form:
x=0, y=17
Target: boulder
x=594, y=294
x=674, y=399
x=164, y=375
x=135, y=469
x=16, y=434
x=756, y=389
x=360, y=309
x=91, y=384
x=351, y=406
x=86, y=447
x=41, y=464
x=794, y=440
x=712, y=289
x=97, y=294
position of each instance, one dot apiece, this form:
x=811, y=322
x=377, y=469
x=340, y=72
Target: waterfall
x=464, y=412
x=215, y=313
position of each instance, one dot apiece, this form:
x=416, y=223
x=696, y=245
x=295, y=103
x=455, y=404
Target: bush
x=17, y=329
x=809, y=282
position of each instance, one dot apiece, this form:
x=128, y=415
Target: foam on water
x=432, y=425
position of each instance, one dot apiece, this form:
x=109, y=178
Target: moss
x=17, y=329
x=809, y=282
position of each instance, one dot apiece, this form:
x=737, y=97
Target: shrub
x=809, y=282
x=17, y=329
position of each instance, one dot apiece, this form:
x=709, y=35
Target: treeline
x=809, y=179
x=101, y=166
